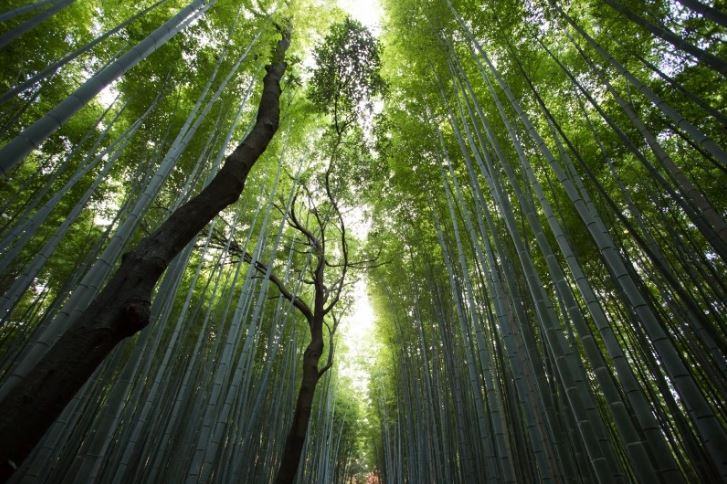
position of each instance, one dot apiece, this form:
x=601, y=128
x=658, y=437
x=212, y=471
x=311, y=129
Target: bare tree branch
x=284, y=291
x=338, y=285
x=295, y=223
x=366, y=263
x=331, y=351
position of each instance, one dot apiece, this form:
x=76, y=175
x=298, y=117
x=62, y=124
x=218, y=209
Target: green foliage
x=346, y=78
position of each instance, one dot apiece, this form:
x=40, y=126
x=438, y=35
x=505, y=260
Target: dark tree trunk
x=122, y=308
x=311, y=374
x=298, y=429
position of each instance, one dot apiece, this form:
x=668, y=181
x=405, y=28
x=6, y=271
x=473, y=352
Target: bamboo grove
x=561, y=317
x=543, y=189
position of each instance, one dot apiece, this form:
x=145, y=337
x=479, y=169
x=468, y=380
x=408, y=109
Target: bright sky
x=368, y=12
x=359, y=344
x=357, y=329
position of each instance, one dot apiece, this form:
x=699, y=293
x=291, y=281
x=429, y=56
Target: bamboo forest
x=363, y=241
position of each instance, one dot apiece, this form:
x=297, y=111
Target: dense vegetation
x=545, y=188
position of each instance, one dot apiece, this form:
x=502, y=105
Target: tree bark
x=296, y=435
x=122, y=308
x=315, y=316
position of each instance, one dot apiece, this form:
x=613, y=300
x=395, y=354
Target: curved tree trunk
x=122, y=308
x=296, y=436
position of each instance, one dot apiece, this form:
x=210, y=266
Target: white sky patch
x=357, y=222
x=109, y=94
x=357, y=329
x=357, y=333
x=368, y=12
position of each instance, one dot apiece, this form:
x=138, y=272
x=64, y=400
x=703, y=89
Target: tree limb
x=284, y=291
